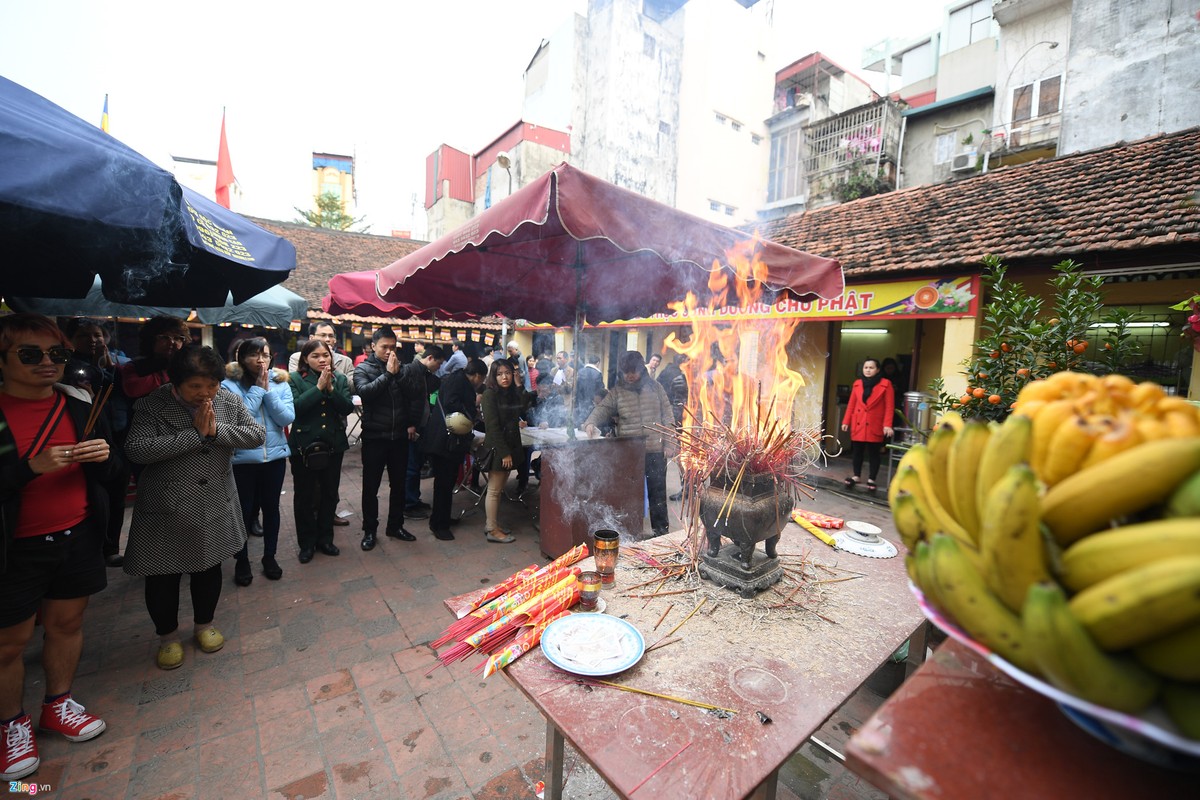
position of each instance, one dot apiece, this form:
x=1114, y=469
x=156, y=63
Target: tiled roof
x=1127, y=202
x=321, y=253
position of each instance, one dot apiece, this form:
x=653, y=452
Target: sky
x=387, y=81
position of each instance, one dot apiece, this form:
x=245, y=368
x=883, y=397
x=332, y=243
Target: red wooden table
x=797, y=672
x=959, y=727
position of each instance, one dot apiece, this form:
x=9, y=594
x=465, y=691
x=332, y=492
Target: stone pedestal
x=725, y=569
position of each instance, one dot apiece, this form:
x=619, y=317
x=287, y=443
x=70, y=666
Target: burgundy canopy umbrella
x=570, y=248
x=354, y=293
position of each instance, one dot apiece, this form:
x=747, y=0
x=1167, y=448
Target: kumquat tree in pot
x=1023, y=340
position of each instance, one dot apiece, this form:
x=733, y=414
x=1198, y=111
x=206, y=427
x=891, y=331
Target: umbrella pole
x=576, y=335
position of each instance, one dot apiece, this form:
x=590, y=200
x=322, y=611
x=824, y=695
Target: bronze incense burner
x=754, y=512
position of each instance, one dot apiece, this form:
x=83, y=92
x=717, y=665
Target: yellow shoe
x=210, y=640
x=170, y=656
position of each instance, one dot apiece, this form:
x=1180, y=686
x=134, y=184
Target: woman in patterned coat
x=187, y=517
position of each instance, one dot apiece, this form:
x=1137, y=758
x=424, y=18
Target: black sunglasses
x=34, y=355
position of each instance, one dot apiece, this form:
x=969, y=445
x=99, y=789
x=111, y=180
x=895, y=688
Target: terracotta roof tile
x=321, y=253
x=1121, y=198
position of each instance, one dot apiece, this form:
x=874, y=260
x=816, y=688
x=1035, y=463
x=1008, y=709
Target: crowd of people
x=208, y=441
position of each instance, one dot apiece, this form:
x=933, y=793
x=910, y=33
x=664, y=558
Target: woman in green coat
x=322, y=400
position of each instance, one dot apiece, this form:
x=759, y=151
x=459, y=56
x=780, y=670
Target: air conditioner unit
x=963, y=162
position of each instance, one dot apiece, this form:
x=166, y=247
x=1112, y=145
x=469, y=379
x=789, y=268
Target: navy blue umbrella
x=76, y=203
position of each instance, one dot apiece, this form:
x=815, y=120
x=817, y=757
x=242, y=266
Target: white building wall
x=726, y=70
x=554, y=79
x=1026, y=57
x=967, y=69
x=1132, y=72
x=632, y=90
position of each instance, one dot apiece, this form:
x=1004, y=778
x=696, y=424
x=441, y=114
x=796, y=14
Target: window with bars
x=786, y=176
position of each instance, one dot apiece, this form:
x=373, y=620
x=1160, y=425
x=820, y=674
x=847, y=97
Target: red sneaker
x=18, y=750
x=67, y=717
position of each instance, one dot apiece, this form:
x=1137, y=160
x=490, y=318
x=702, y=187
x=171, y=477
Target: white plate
x=592, y=644
x=1154, y=733
x=864, y=528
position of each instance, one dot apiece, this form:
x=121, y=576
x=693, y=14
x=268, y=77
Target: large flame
x=738, y=373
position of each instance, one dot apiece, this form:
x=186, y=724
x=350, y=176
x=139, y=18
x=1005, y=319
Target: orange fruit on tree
x=978, y=391
x=1023, y=372
x=995, y=354
x=982, y=376
x=994, y=399
x=1006, y=347
x=1080, y=347
x=965, y=400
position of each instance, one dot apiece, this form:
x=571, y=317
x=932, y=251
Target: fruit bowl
x=1150, y=736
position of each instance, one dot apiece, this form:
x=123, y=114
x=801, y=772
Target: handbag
x=316, y=455
x=436, y=439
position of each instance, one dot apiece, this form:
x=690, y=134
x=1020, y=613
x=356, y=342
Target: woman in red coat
x=869, y=420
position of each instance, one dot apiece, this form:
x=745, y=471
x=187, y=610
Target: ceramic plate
x=592, y=644
x=1149, y=735
x=864, y=528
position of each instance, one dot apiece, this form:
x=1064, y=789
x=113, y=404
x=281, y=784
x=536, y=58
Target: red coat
x=867, y=420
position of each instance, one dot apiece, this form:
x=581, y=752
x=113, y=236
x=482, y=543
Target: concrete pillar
x=957, y=347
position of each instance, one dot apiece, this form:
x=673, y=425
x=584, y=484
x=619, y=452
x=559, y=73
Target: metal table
x=797, y=672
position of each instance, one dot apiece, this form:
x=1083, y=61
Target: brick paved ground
x=324, y=687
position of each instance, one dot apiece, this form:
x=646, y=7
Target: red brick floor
x=326, y=687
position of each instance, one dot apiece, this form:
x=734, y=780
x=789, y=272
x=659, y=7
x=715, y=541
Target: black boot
x=242, y=575
x=368, y=541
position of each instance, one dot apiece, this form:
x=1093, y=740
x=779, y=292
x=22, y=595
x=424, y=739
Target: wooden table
x=796, y=671
x=960, y=728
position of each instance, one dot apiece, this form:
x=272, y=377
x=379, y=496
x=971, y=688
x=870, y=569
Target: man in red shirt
x=52, y=512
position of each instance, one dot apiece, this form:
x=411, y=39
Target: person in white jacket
x=259, y=472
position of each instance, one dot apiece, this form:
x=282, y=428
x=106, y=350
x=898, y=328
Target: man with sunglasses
x=52, y=514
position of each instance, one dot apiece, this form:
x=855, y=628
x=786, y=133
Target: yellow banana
x=1069, y=658
x=1107, y=553
x=1141, y=604
x=1129, y=481
x=1182, y=704
x=917, y=460
x=910, y=566
x=910, y=519
x=1176, y=655
x=1007, y=447
x=966, y=598
x=1010, y=539
x=965, y=456
x=1045, y=424
x=1069, y=446
x=925, y=582
x=939, y=444
x=951, y=419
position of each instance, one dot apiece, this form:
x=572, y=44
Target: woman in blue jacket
x=259, y=472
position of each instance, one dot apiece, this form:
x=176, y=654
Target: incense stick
x=94, y=414
x=683, y=700
x=664, y=616
x=689, y=616
x=660, y=766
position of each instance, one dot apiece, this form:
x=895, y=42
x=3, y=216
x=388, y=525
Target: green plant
x=1021, y=341
x=969, y=139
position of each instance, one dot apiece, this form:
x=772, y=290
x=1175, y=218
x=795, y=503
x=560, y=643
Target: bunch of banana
x=1067, y=539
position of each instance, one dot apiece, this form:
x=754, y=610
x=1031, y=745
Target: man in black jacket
x=458, y=394
x=391, y=412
